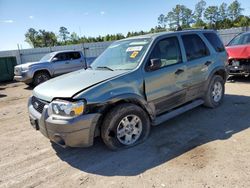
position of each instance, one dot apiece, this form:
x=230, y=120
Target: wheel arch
x=41, y=70
x=121, y=99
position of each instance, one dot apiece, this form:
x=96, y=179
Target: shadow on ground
x=175, y=137
x=2, y=95
x=239, y=79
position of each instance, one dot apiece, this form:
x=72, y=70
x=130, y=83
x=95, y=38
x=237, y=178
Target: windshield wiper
x=105, y=67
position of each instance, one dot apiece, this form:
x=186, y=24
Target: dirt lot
x=201, y=148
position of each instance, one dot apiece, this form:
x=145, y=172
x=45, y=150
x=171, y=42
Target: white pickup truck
x=51, y=65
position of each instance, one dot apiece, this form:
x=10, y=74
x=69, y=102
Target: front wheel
x=125, y=126
x=40, y=77
x=215, y=92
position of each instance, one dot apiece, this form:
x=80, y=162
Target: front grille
x=242, y=62
x=38, y=104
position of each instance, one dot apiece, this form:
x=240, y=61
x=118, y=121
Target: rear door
x=76, y=61
x=198, y=59
x=165, y=87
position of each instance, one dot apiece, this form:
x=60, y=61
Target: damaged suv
x=136, y=83
x=238, y=50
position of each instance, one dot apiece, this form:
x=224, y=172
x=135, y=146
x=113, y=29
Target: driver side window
x=62, y=57
x=168, y=51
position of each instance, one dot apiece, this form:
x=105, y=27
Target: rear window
x=74, y=55
x=215, y=42
x=194, y=46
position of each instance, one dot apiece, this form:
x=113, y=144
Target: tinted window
x=168, y=51
x=215, y=42
x=195, y=47
x=74, y=55
x=62, y=57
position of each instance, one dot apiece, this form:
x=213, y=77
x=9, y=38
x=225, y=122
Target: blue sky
x=85, y=17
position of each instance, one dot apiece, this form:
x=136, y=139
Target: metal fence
x=35, y=54
x=228, y=34
x=93, y=49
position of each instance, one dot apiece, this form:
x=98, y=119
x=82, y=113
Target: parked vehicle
x=238, y=50
x=51, y=65
x=137, y=82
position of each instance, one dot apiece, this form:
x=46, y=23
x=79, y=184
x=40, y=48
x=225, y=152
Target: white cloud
x=6, y=21
x=102, y=13
x=86, y=13
x=31, y=17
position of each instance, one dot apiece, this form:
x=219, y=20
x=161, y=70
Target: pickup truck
x=51, y=65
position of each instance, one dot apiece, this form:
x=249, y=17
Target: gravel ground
x=201, y=148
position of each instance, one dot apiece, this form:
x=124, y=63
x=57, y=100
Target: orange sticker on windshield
x=134, y=54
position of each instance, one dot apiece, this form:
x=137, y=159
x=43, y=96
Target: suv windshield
x=240, y=39
x=47, y=57
x=122, y=55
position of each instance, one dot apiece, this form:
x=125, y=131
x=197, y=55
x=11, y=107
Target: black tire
x=114, y=118
x=209, y=96
x=29, y=84
x=40, y=77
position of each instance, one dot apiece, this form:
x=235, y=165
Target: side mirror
x=54, y=59
x=155, y=64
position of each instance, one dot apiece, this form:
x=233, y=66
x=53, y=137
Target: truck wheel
x=40, y=77
x=215, y=92
x=126, y=125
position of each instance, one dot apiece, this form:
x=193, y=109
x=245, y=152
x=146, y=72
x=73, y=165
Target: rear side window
x=74, y=55
x=215, y=42
x=194, y=46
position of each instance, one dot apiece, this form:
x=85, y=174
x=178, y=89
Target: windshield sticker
x=134, y=48
x=134, y=54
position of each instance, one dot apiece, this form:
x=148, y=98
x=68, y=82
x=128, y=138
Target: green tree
x=64, y=33
x=162, y=21
x=31, y=37
x=223, y=11
x=234, y=10
x=74, y=38
x=211, y=14
x=242, y=21
x=198, y=12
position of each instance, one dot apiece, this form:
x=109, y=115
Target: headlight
x=24, y=68
x=66, y=108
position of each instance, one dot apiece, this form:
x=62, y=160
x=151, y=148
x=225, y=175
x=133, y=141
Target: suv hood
x=239, y=51
x=67, y=85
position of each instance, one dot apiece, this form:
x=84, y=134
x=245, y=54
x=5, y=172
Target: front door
x=165, y=87
x=62, y=63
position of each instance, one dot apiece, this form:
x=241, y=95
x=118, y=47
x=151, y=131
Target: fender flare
x=213, y=72
x=136, y=99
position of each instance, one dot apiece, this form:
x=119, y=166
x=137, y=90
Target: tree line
x=215, y=17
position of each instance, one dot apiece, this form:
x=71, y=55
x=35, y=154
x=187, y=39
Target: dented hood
x=68, y=85
x=239, y=51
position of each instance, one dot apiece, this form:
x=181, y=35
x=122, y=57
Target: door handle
x=179, y=71
x=208, y=63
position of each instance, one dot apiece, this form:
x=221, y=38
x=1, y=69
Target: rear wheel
x=215, y=92
x=40, y=77
x=125, y=126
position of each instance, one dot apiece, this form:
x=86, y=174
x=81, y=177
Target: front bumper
x=239, y=70
x=75, y=132
x=24, y=77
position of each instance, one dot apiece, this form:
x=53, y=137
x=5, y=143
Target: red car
x=238, y=50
